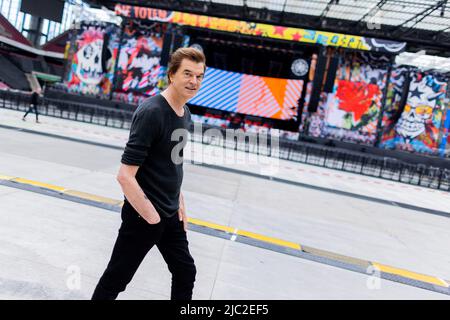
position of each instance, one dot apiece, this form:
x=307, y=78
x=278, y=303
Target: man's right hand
x=154, y=219
x=134, y=194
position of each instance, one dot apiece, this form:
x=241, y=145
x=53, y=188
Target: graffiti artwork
x=419, y=124
x=444, y=149
x=351, y=111
x=92, y=65
x=138, y=66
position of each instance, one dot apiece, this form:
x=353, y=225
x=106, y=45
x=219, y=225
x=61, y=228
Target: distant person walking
x=33, y=105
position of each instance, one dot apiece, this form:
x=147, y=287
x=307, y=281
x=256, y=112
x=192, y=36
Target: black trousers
x=136, y=237
x=32, y=106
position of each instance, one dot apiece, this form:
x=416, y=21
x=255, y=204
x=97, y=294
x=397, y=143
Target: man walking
x=33, y=105
x=153, y=212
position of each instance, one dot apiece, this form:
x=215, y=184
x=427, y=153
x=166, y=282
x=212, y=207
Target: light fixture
x=299, y=67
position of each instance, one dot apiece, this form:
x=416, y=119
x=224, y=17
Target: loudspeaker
x=404, y=97
x=106, y=54
x=331, y=74
x=274, y=69
x=220, y=60
x=247, y=65
x=165, y=51
x=177, y=42
x=317, y=83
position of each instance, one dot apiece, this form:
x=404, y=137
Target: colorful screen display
x=248, y=94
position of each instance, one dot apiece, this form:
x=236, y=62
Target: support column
x=35, y=30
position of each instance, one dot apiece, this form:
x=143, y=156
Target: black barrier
x=68, y=110
x=383, y=167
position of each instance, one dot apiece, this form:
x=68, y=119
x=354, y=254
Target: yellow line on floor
x=93, y=197
x=269, y=239
x=210, y=225
x=38, y=184
x=410, y=275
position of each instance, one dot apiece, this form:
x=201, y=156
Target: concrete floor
x=44, y=239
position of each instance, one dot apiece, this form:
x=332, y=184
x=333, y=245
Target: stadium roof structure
x=424, y=24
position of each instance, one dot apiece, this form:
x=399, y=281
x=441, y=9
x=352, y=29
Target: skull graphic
x=89, y=69
x=418, y=109
x=412, y=121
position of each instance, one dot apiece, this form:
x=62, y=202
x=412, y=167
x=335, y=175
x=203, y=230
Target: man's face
x=188, y=78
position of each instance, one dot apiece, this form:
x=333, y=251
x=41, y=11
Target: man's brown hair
x=184, y=53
